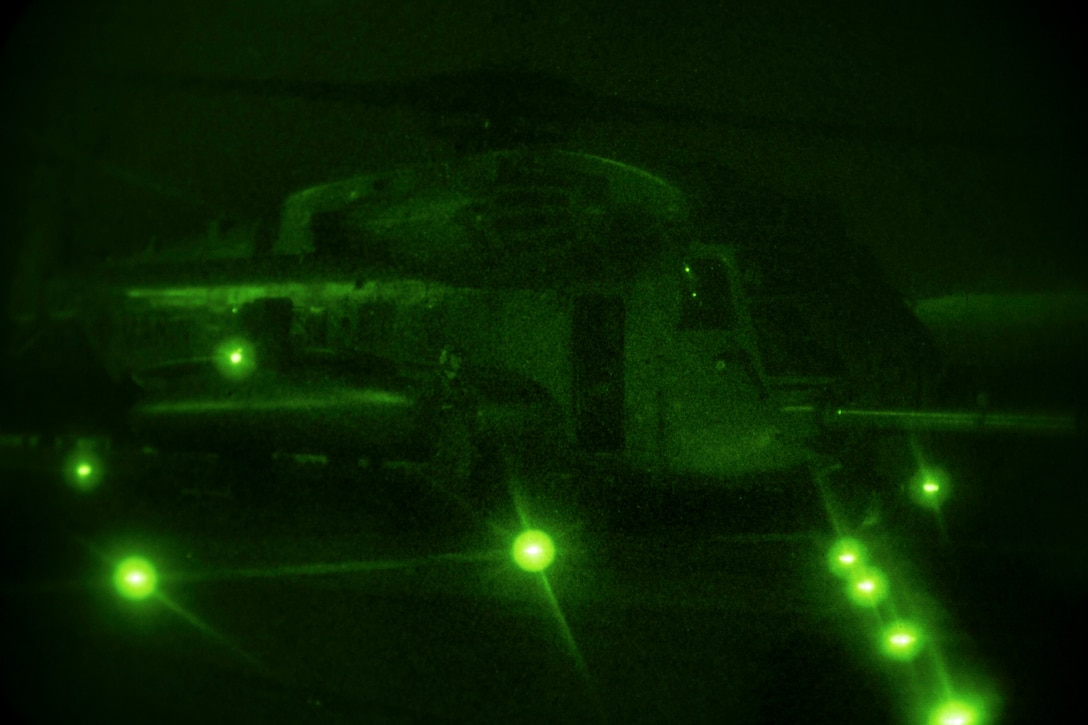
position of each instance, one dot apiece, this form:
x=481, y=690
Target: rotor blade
x=498, y=94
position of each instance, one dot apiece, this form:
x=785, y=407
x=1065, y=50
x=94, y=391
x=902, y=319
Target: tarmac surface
x=363, y=597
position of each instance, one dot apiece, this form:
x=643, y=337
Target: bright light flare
x=135, y=578
x=956, y=712
x=901, y=641
x=845, y=556
x=235, y=359
x=867, y=586
x=533, y=550
x=83, y=471
x=929, y=487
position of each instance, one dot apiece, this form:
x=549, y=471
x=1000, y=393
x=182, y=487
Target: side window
x=706, y=302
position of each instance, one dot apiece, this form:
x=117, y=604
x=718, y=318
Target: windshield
x=549, y=362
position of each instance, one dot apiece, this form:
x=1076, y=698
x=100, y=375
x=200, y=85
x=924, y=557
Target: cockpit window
x=706, y=301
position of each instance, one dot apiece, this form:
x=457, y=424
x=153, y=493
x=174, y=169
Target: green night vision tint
x=901, y=641
x=956, y=712
x=929, y=487
x=135, y=578
x=83, y=471
x=867, y=586
x=533, y=550
x=235, y=359
x=845, y=556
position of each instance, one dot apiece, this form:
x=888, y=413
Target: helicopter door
x=718, y=417
x=597, y=339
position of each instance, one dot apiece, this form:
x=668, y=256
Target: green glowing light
x=533, y=550
x=901, y=641
x=135, y=578
x=235, y=360
x=83, y=471
x=868, y=586
x=844, y=556
x=930, y=487
x=956, y=712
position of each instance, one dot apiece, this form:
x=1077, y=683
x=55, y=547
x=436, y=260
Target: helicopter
x=670, y=328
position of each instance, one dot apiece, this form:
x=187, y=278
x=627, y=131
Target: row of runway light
x=235, y=359
x=902, y=639
x=136, y=578
x=866, y=584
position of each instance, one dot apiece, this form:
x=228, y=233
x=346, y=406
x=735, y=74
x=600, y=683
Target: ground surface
x=331, y=604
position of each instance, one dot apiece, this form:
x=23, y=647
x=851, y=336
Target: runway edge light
x=956, y=712
x=930, y=487
x=135, y=578
x=867, y=586
x=84, y=472
x=533, y=550
x=845, y=556
x=901, y=640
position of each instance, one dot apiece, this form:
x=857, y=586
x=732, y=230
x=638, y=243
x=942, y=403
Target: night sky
x=947, y=132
